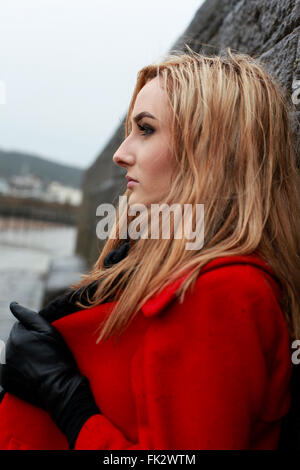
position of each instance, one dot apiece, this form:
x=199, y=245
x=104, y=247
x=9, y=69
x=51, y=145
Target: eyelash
x=146, y=128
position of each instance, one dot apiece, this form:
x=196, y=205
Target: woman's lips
x=132, y=183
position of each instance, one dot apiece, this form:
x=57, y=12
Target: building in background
x=26, y=186
x=35, y=187
x=57, y=192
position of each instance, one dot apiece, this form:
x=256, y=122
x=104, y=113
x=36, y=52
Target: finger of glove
x=30, y=319
x=22, y=337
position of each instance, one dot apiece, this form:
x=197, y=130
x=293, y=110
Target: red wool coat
x=210, y=373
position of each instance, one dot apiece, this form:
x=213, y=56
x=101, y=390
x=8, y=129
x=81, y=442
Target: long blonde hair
x=235, y=153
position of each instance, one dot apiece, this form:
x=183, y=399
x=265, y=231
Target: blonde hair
x=235, y=153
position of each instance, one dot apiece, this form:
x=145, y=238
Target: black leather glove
x=40, y=368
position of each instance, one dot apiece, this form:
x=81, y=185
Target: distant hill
x=17, y=163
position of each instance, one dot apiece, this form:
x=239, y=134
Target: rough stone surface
x=267, y=30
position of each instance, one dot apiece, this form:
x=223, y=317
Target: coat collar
x=159, y=301
x=64, y=305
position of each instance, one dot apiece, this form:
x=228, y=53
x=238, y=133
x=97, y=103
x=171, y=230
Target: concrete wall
x=268, y=30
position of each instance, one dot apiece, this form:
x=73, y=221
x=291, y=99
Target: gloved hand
x=39, y=368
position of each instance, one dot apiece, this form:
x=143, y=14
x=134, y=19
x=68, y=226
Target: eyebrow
x=139, y=116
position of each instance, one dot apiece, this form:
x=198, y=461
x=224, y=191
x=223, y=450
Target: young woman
x=160, y=346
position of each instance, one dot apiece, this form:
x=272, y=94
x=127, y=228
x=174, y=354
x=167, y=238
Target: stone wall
x=268, y=30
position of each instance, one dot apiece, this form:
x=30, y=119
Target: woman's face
x=145, y=152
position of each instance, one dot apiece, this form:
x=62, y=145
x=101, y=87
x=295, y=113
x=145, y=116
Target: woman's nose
x=123, y=157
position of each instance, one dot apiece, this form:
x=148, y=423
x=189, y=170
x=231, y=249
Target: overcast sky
x=69, y=68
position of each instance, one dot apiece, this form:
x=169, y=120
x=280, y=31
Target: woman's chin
x=134, y=198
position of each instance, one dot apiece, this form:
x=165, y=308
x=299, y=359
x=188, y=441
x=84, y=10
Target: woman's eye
x=146, y=130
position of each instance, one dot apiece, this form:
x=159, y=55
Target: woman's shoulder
x=234, y=276
x=227, y=265
x=240, y=280
x=243, y=273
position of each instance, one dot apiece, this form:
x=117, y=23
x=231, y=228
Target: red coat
x=211, y=373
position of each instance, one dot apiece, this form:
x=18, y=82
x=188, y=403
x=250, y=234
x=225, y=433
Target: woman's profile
x=160, y=346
